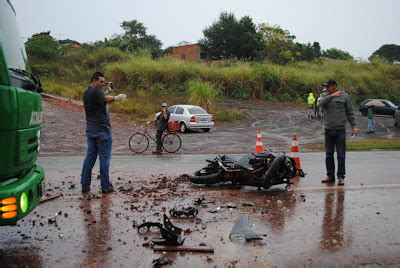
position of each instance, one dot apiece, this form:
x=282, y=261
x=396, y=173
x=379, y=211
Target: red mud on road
x=298, y=228
x=64, y=129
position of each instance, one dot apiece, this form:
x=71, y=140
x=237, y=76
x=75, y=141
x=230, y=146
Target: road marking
x=346, y=187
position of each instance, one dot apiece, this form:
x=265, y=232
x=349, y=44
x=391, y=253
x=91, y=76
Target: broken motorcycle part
x=242, y=228
x=162, y=261
x=188, y=212
x=198, y=201
x=170, y=234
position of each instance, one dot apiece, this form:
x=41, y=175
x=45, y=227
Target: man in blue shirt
x=98, y=132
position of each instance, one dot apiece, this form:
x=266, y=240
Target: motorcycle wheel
x=207, y=175
x=273, y=172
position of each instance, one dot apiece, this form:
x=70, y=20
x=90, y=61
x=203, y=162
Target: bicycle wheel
x=138, y=143
x=171, y=142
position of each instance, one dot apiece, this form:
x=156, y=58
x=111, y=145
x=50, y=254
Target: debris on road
x=242, y=228
x=198, y=201
x=188, y=212
x=264, y=210
x=184, y=248
x=49, y=198
x=229, y=205
x=247, y=204
x=214, y=210
x=162, y=261
x=170, y=234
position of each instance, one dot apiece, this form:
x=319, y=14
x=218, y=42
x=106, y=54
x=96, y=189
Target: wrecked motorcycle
x=264, y=169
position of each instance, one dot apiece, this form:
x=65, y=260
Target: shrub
x=202, y=93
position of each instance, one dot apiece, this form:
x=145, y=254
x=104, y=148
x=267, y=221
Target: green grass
x=226, y=115
x=147, y=82
x=362, y=145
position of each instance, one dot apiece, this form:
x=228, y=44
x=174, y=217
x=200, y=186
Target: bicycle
x=139, y=142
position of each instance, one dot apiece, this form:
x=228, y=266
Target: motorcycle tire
x=206, y=176
x=274, y=171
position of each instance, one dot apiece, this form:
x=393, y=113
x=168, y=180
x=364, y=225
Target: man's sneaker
x=340, y=181
x=85, y=190
x=107, y=191
x=157, y=152
x=328, y=180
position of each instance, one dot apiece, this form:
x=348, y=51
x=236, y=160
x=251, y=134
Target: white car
x=191, y=117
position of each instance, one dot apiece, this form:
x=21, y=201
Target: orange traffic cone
x=295, y=155
x=259, y=144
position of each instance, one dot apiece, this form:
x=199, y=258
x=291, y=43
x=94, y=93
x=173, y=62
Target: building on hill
x=190, y=52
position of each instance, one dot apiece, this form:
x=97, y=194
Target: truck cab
x=21, y=178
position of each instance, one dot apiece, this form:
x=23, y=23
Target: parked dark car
x=397, y=118
x=388, y=109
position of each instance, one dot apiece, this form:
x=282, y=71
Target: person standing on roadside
x=311, y=102
x=162, y=125
x=98, y=132
x=337, y=109
x=371, y=121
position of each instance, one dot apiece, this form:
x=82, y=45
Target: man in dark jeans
x=162, y=125
x=98, y=133
x=337, y=110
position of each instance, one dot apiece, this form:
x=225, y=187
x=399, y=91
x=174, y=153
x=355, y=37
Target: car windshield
x=14, y=49
x=197, y=110
x=391, y=103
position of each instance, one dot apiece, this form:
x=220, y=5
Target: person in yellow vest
x=311, y=102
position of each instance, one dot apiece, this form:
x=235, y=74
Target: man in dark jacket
x=98, y=132
x=337, y=111
x=162, y=125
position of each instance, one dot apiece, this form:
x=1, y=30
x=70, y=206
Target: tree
x=390, y=53
x=278, y=43
x=307, y=52
x=337, y=54
x=135, y=37
x=42, y=46
x=232, y=38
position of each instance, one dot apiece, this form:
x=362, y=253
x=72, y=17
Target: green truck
x=21, y=179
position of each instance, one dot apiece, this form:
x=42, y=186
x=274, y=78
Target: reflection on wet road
x=332, y=224
x=308, y=225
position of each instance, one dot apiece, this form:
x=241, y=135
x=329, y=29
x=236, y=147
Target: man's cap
x=329, y=83
x=164, y=104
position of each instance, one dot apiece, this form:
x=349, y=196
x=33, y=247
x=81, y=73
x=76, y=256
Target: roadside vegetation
x=268, y=64
x=363, y=145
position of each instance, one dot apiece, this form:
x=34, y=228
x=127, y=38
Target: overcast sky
x=357, y=26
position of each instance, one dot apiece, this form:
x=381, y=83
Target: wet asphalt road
x=310, y=225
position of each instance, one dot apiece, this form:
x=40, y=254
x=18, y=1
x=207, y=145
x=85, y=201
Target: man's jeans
x=98, y=143
x=159, y=141
x=371, y=125
x=335, y=138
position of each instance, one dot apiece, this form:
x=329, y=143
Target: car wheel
x=364, y=112
x=206, y=129
x=183, y=127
